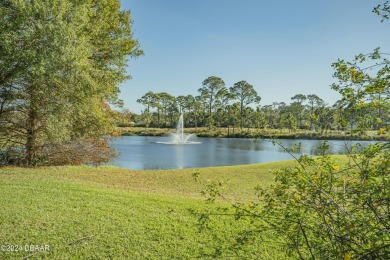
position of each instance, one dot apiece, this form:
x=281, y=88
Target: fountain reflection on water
x=180, y=137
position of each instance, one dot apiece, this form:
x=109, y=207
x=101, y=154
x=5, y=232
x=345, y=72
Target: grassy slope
x=130, y=214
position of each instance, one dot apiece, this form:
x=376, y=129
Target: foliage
x=288, y=121
x=246, y=94
x=83, y=151
x=76, y=152
x=382, y=10
x=364, y=85
x=328, y=211
x=211, y=87
x=61, y=63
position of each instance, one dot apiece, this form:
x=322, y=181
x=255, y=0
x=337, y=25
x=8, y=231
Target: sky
x=282, y=48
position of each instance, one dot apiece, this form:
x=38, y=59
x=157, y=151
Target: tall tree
x=314, y=102
x=168, y=105
x=259, y=118
x=234, y=113
x=187, y=104
x=149, y=101
x=61, y=63
x=210, y=88
x=270, y=115
x=195, y=107
x=299, y=98
x=246, y=94
x=223, y=98
x=287, y=120
x=181, y=102
x=297, y=108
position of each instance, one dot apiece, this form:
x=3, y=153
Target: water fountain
x=180, y=137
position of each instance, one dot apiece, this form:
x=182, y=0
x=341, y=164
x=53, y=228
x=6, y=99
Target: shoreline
x=257, y=134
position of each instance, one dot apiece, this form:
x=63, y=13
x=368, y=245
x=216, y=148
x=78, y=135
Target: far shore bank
x=257, y=133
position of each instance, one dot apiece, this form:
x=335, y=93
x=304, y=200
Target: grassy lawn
x=107, y=212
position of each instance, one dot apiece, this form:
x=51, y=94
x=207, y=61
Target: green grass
x=107, y=212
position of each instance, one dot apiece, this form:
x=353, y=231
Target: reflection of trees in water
x=246, y=144
x=311, y=147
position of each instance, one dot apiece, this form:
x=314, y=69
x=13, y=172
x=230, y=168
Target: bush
x=329, y=211
x=93, y=151
x=12, y=156
x=321, y=209
x=83, y=151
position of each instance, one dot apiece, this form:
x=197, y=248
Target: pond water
x=147, y=152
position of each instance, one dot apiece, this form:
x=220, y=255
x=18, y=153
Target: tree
x=298, y=108
x=246, y=95
x=279, y=108
x=181, y=102
x=125, y=117
x=325, y=117
x=61, y=63
x=288, y=120
x=148, y=100
x=197, y=109
x=314, y=102
x=364, y=85
x=167, y=104
x=189, y=105
x=210, y=88
x=299, y=98
x=259, y=118
x=222, y=99
x=249, y=118
x=270, y=115
x=234, y=113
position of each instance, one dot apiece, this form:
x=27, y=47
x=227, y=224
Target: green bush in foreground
x=320, y=209
x=327, y=211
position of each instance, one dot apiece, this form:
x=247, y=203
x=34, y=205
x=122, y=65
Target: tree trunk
x=241, y=114
x=158, y=117
x=210, y=111
x=31, y=143
x=380, y=112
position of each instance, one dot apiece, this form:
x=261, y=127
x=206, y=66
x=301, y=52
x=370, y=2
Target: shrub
x=82, y=151
x=76, y=152
x=321, y=209
x=329, y=211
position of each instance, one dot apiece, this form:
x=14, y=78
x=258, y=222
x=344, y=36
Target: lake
x=144, y=152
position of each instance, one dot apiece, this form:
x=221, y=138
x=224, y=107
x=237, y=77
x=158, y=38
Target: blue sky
x=281, y=47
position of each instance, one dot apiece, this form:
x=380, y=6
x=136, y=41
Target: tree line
x=239, y=106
